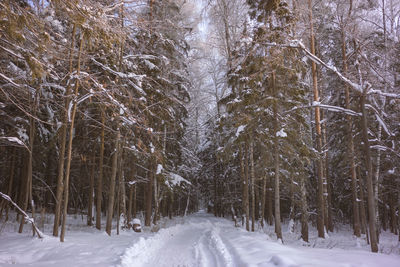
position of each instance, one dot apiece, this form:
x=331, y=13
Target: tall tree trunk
x=327, y=184
x=263, y=199
x=243, y=176
x=99, y=188
x=304, y=209
x=356, y=215
x=368, y=163
x=149, y=195
x=69, y=151
x=156, y=197
x=246, y=185
x=130, y=202
x=320, y=194
x=63, y=141
x=292, y=204
x=253, y=180
x=28, y=189
x=121, y=183
x=363, y=216
x=370, y=189
x=278, y=227
x=134, y=200
x=269, y=201
x=91, y=190
x=111, y=193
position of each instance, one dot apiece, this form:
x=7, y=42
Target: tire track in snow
x=192, y=244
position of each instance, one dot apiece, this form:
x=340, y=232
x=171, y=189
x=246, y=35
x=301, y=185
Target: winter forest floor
x=196, y=240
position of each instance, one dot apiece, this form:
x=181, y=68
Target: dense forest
x=260, y=110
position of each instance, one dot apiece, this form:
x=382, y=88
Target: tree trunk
x=363, y=216
x=91, y=190
x=28, y=189
x=244, y=190
x=149, y=195
x=253, y=180
x=327, y=184
x=304, y=209
x=263, y=200
x=99, y=189
x=111, y=193
x=156, y=196
x=278, y=227
x=63, y=141
x=292, y=204
x=134, y=200
x=356, y=215
x=69, y=151
x=370, y=189
x=122, y=185
x=269, y=202
x=129, y=213
x=320, y=194
x=246, y=186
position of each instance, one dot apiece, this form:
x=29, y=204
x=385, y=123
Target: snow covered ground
x=197, y=240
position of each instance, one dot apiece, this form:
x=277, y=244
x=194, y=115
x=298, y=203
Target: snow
x=281, y=133
x=199, y=239
x=159, y=169
x=176, y=179
x=240, y=129
x=13, y=140
x=136, y=221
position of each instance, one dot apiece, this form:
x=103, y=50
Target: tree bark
x=91, y=190
x=246, y=186
x=149, y=195
x=356, y=215
x=269, y=201
x=63, y=141
x=134, y=200
x=278, y=227
x=263, y=199
x=99, y=189
x=253, y=180
x=69, y=151
x=304, y=209
x=370, y=189
x=111, y=193
x=28, y=189
x=363, y=217
x=320, y=194
x=130, y=202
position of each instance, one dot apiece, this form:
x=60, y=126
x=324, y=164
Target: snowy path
x=195, y=243
x=206, y=241
x=198, y=240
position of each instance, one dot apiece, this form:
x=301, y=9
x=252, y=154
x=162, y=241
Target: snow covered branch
x=354, y=86
x=27, y=218
x=117, y=73
x=14, y=140
x=327, y=107
x=379, y=92
x=379, y=119
x=9, y=80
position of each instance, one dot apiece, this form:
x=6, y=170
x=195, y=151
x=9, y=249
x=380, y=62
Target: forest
x=262, y=111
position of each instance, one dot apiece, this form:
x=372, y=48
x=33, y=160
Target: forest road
x=197, y=242
x=202, y=240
